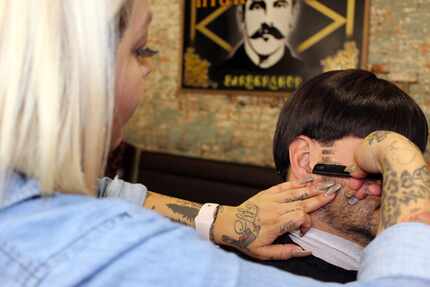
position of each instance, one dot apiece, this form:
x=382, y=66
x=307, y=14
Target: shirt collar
x=330, y=248
x=19, y=188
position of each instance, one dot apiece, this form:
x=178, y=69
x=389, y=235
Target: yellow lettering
x=201, y=3
x=281, y=82
x=290, y=82
x=216, y=3
x=227, y=80
x=234, y=81
x=273, y=82
x=242, y=81
x=249, y=82
x=257, y=81
x=299, y=81
x=265, y=81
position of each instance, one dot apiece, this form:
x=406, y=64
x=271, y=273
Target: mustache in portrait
x=265, y=30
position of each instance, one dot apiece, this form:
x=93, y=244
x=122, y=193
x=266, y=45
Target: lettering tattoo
x=302, y=196
x=327, y=151
x=401, y=189
x=187, y=212
x=294, y=209
x=246, y=226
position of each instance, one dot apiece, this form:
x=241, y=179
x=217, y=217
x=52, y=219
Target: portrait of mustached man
x=266, y=26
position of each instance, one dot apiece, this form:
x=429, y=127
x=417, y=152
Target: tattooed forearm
x=390, y=207
x=246, y=227
x=186, y=212
x=406, y=178
x=401, y=154
x=402, y=189
x=177, y=210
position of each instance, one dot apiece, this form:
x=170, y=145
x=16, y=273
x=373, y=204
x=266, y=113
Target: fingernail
x=332, y=190
x=326, y=185
x=351, y=168
x=306, y=179
x=349, y=193
x=353, y=201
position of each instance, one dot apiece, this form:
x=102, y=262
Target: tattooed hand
x=253, y=226
x=406, y=177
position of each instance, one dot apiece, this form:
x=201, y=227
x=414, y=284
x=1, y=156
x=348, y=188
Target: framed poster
x=269, y=45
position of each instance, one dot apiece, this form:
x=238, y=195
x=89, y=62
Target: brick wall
x=239, y=128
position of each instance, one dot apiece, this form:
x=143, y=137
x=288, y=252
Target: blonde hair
x=57, y=90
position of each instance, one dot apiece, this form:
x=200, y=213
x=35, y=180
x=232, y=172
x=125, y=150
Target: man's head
x=325, y=119
x=267, y=24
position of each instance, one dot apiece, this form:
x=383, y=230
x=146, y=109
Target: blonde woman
x=60, y=112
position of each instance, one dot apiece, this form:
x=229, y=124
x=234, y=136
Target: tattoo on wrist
x=246, y=226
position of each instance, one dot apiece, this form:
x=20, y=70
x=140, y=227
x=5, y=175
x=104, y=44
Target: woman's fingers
x=306, y=225
x=293, y=220
x=281, y=252
x=316, y=202
x=305, y=192
x=289, y=185
x=296, y=194
x=297, y=212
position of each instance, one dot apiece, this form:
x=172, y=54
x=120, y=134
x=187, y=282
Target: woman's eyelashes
x=145, y=52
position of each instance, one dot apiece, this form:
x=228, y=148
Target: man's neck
x=266, y=61
x=321, y=222
x=351, y=236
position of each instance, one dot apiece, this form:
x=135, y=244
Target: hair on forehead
x=344, y=103
x=243, y=6
x=293, y=2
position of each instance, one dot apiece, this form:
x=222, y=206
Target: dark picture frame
x=327, y=35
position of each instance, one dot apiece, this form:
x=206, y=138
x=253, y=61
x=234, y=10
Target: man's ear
x=300, y=154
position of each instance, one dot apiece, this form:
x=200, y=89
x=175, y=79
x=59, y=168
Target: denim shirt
x=73, y=240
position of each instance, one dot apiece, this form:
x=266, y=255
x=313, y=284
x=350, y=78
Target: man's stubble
x=358, y=222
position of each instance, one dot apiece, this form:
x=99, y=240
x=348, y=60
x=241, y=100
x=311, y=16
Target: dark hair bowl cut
x=343, y=103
